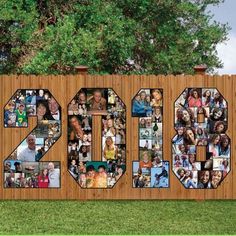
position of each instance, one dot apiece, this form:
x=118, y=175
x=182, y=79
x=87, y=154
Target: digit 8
x=151, y=171
x=22, y=168
x=86, y=104
x=201, y=116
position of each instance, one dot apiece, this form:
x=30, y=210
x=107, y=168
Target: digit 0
x=86, y=104
x=151, y=171
x=22, y=168
x=201, y=117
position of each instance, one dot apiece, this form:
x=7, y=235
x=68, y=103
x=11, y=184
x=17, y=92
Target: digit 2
x=23, y=167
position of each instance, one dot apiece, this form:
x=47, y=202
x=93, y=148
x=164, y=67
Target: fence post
x=200, y=69
x=81, y=70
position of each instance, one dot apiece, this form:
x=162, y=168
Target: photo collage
x=23, y=167
x=151, y=171
x=201, y=119
x=86, y=104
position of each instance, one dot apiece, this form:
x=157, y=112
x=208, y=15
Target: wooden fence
x=64, y=89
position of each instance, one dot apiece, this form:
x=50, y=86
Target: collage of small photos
x=22, y=168
x=86, y=104
x=151, y=171
x=201, y=117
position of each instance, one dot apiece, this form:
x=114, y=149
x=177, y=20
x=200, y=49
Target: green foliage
x=63, y=47
x=18, y=23
x=109, y=36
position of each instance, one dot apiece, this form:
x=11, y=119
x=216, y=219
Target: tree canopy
x=108, y=36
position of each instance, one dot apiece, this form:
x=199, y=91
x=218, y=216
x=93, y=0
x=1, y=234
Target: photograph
x=97, y=100
x=160, y=176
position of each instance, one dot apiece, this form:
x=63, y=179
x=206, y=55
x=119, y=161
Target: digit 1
x=23, y=167
x=201, y=119
x=150, y=171
x=86, y=104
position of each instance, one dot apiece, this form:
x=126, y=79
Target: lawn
x=117, y=217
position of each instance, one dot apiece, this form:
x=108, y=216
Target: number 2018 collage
x=201, y=119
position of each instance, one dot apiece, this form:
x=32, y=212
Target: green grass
x=117, y=217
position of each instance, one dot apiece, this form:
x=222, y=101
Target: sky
x=224, y=13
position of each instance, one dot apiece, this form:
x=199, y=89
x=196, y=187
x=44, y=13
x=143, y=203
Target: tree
x=109, y=36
